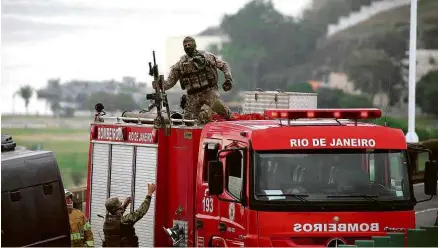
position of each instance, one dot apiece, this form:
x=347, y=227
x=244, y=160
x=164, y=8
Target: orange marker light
x=366, y=113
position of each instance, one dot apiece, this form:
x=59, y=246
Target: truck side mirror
x=430, y=178
x=215, y=177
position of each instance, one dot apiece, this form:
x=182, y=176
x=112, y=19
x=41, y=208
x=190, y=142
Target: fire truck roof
x=305, y=117
x=332, y=133
x=263, y=124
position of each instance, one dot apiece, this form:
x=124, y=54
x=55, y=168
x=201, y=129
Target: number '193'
x=207, y=204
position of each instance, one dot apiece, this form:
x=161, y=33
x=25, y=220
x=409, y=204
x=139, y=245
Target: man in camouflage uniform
x=197, y=73
x=80, y=228
x=118, y=228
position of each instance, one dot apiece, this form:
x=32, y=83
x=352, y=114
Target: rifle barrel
x=153, y=54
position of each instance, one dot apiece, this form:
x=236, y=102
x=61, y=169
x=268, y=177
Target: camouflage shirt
x=135, y=216
x=175, y=70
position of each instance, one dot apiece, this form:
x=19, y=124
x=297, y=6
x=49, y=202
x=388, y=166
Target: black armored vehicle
x=33, y=211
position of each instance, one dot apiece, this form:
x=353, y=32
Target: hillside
x=396, y=20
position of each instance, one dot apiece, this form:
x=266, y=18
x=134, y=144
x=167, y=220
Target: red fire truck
x=316, y=177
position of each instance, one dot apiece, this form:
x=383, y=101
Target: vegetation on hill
x=271, y=51
x=427, y=92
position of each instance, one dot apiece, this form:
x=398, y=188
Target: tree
x=112, y=102
x=271, y=51
x=26, y=93
x=355, y=101
x=335, y=98
x=52, y=94
x=81, y=99
x=372, y=71
x=427, y=92
x=300, y=87
x=265, y=45
x=329, y=98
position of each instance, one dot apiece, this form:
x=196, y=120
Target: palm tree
x=26, y=92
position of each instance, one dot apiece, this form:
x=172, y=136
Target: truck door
x=207, y=207
x=232, y=221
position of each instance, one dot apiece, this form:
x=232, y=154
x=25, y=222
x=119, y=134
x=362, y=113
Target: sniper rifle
x=159, y=98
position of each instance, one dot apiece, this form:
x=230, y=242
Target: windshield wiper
x=297, y=196
x=367, y=197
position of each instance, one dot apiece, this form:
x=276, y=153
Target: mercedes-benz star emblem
x=336, y=219
x=335, y=242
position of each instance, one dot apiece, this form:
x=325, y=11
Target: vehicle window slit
x=15, y=196
x=48, y=189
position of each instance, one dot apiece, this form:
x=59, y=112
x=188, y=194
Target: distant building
x=427, y=60
x=339, y=80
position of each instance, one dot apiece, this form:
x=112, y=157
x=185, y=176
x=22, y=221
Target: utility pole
x=411, y=136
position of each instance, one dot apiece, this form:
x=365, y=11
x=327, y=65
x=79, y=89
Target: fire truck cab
x=295, y=177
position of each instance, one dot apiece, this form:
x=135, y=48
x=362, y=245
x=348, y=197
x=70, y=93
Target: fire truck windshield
x=331, y=176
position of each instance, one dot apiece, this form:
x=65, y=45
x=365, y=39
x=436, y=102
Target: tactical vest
x=118, y=234
x=195, y=78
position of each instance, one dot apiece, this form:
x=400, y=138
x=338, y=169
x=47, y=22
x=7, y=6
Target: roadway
x=425, y=212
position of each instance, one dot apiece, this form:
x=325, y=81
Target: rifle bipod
x=160, y=122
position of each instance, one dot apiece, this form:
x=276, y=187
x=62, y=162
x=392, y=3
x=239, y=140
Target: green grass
x=70, y=147
x=44, y=118
x=34, y=131
x=422, y=158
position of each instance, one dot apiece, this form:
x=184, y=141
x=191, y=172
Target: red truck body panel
x=313, y=228
x=182, y=191
x=176, y=174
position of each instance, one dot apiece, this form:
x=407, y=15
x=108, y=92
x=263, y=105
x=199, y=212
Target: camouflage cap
x=112, y=204
x=189, y=39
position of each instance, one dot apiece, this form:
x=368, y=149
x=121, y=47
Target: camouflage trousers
x=209, y=97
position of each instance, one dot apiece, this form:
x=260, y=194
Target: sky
x=97, y=40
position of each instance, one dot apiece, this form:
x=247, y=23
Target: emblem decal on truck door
x=231, y=211
x=187, y=135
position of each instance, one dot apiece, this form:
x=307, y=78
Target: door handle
x=222, y=227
